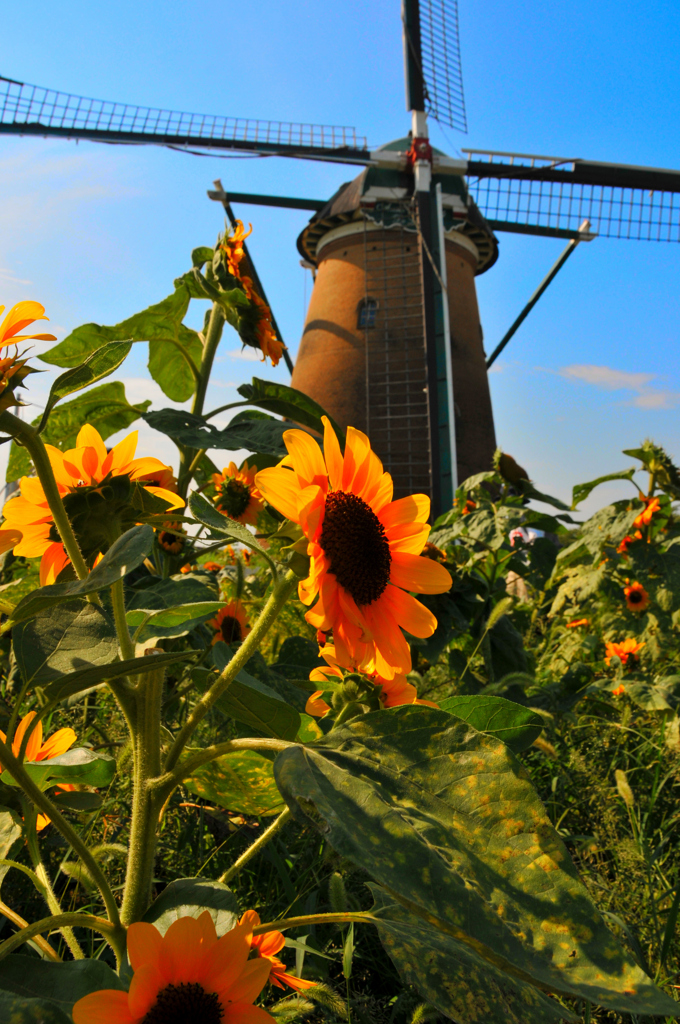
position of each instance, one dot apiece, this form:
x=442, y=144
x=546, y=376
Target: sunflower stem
x=213, y=335
x=29, y=437
x=41, y=943
x=259, y=843
x=113, y=935
x=127, y=648
x=48, y=892
x=281, y=591
x=346, y=917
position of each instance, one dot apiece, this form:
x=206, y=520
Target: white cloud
x=249, y=354
x=6, y=275
x=647, y=395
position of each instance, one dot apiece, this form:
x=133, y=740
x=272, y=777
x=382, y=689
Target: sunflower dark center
x=233, y=498
x=635, y=597
x=230, y=628
x=187, y=1003
x=170, y=541
x=353, y=539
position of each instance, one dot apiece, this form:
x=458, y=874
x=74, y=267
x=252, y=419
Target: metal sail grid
x=442, y=71
x=32, y=105
x=613, y=211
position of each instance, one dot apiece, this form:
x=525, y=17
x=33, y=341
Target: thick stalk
x=145, y=803
x=280, y=593
x=41, y=943
x=253, y=850
x=49, y=894
x=76, y=920
x=212, y=340
x=32, y=442
x=11, y=764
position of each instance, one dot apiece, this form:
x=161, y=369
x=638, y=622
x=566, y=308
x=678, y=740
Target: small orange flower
x=264, y=329
x=58, y=743
x=619, y=690
x=187, y=975
x=645, y=517
x=212, y=566
x=627, y=541
x=469, y=507
x=637, y=598
x=172, y=539
x=230, y=624
x=393, y=692
x=577, y=622
x=628, y=649
x=237, y=496
x=188, y=568
x=267, y=946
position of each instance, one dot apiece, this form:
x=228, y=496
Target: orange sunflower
x=91, y=484
x=651, y=506
x=188, y=976
x=13, y=368
x=637, y=598
x=230, y=624
x=263, y=328
x=232, y=246
x=58, y=743
x=577, y=622
x=212, y=566
x=172, y=539
x=364, y=548
x=394, y=692
x=627, y=541
x=237, y=496
x=619, y=690
x=267, y=946
x=628, y=649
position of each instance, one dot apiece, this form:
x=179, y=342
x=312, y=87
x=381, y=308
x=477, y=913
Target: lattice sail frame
x=441, y=63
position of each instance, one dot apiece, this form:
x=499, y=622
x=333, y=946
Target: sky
x=98, y=232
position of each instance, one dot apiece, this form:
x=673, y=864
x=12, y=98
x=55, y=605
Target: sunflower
x=97, y=488
x=623, y=651
x=262, y=326
x=637, y=598
x=237, y=496
x=188, y=976
x=364, y=548
x=267, y=946
x=230, y=624
x=577, y=622
x=21, y=315
x=172, y=539
x=393, y=692
x=627, y=541
x=58, y=743
x=619, y=690
x=212, y=566
x=232, y=246
x=651, y=506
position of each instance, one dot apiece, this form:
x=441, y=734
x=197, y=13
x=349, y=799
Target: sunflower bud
x=511, y=470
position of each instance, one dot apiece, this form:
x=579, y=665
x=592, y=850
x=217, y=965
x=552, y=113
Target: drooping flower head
x=187, y=976
x=13, y=369
x=652, y=505
x=267, y=946
x=102, y=495
x=236, y=494
x=627, y=649
x=364, y=548
x=261, y=326
x=232, y=246
x=37, y=750
x=637, y=598
x=230, y=624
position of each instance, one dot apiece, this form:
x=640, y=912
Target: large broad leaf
x=242, y=781
x=453, y=977
x=172, y=592
x=71, y=636
x=105, y=407
x=61, y=984
x=167, y=622
x=20, y=1010
x=78, y=765
x=85, y=678
x=289, y=403
x=297, y=657
x=128, y=552
x=254, y=703
x=209, y=516
x=189, y=897
x=581, y=491
x=98, y=365
x=446, y=819
x=516, y=725
x=195, y=432
x=170, y=365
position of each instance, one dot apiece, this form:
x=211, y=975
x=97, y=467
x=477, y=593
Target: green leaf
x=124, y=555
x=195, y=432
x=87, y=678
x=176, y=621
x=507, y=648
x=453, y=977
x=201, y=254
x=663, y=695
x=189, y=897
x=447, y=820
x=170, y=365
x=61, y=985
x=80, y=765
x=254, y=703
x=289, y=403
x=529, y=491
x=70, y=636
x=10, y=832
x=242, y=781
x=209, y=516
x=98, y=365
x=105, y=407
x=177, y=590
x=516, y=725
x=581, y=491
x=19, y=1010
x=297, y=657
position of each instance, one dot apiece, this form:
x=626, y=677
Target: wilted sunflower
x=187, y=975
x=637, y=598
x=58, y=743
x=230, y=624
x=236, y=493
x=96, y=487
x=364, y=548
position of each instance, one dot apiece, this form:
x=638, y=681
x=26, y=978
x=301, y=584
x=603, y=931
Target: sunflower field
x=277, y=748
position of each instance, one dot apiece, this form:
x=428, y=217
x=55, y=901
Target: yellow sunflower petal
x=183, y=950
x=52, y=562
x=146, y=983
x=357, y=450
x=410, y=537
x=423, y=575
x=169, y=496
x=332, y=454
x=144, y=945
x=58, y=743
x=280, y=488
x=227, y=958
x=413, y=509
x=410, y=614
x=307, y=458
x=249, y=983
x=9, y=539
x=89, y=437
x=34, y=740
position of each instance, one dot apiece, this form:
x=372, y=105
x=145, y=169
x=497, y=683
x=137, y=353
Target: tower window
x=368, y=309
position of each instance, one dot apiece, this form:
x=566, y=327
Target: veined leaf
x=516, y=725
x=253, y=702
x=242, y=781
x=209, y=516
x=21, y=1010
x=189, y=897
x=61, y=985
x=289, y=403
x=81, y=765
x=99, y=364
x=195, y=432
x=175, y=621
x=85, y=678
x=581, y=491
x=73, y=635
x=171, y=361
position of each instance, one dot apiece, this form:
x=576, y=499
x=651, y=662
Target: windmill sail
x=441, y=64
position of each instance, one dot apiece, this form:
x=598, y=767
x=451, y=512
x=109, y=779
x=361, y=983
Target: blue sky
x=98, y=232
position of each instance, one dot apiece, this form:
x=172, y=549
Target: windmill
x=392, y=341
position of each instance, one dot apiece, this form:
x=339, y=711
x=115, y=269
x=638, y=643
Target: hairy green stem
x=41, y=943
x=114, y=936
x=347, y=917
x=165, y=783
x=258, y=845
x=281, y=591
x=48, y=892
x=127, y=648
x=11, y=764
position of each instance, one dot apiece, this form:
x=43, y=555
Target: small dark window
x=368, y=309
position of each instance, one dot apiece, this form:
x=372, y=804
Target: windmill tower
x=363, y=354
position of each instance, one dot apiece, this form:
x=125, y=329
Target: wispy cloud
x=646, y=394
x=6, y=275
x=249, y=354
